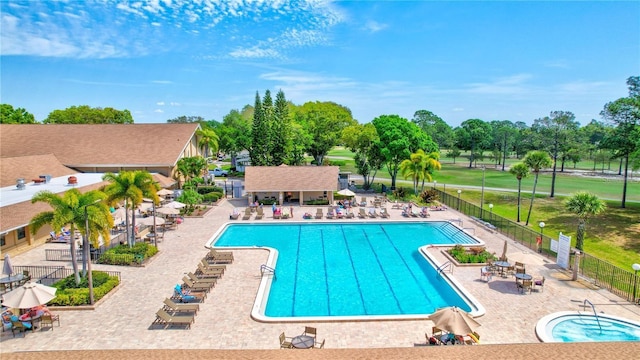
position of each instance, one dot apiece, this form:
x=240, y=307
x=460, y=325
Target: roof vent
x=20, y=184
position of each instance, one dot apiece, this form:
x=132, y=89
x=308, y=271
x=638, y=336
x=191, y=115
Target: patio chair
x=181, y=320
x=208, y=266
x=221, y=257
x=350, y=214
x=372, y=213
x=330, y=213
x=277, y=214
x=170, y=305
x=203, y=271
x=247, y=214
x=309, y=331
x=48, y=320
x=539, y=283
x=199, y=286
x=234, y=215
x=202, y=279
x=319, y=214
x=384, y=213
x=188, y=296
x=362, y=213
x=525, y=285
x=485, y=274
x=285, y=342
x=19, y=326
x=321, y=346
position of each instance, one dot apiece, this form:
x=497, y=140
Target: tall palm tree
x=521, y=171
x=584, y=204
x=208, y=141
x=536, y=161
x=412, y=168
x=132, y=187
x=430, y=163
x=68, y=210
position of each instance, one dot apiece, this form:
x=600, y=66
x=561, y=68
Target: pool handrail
x=584, y=305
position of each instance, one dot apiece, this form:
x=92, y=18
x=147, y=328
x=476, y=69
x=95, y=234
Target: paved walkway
x=122, y=320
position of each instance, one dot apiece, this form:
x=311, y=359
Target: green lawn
x=613, y=236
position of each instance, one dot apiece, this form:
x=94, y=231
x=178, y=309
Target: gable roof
x=291, y=178
x=30, y=167
x=89, y=145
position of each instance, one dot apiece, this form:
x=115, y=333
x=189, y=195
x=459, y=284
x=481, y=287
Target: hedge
x=74, y=296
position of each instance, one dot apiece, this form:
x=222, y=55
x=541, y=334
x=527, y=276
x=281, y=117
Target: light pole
x=435, y=183
x=482, y=195
x=635, y=267
x=459, y=192
x=155, y=229
x=490, y=212
x=85, y=248
x=539, y=242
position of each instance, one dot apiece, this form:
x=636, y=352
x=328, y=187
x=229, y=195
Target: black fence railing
x=95, y=253
x=47, y=275
x=602, y=273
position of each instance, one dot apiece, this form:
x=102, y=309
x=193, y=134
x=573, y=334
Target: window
x=22, y=233
x=3, y=241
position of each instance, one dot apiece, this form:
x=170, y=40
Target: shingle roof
x=99, y=145
x=291, y=178
x=30, y=167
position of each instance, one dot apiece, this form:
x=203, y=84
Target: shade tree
x=9, y=115
x=85, y=114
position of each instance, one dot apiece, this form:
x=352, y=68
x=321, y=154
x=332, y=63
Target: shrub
x=70, y=294
x=125, y=255
x=400, y=193
x=202, y=190
x=429, y=196
x=211, y=197
x=477, y=255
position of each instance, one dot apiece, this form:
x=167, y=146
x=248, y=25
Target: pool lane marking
x=326, y=277
x=384, y=273
x=295, y=278
x=393, y=245
x=355, y=274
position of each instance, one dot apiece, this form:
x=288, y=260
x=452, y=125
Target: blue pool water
x=584, y=328
x=352, y=269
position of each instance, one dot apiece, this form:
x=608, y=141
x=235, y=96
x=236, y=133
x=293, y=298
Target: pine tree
x=259, y=135
x=280, y=142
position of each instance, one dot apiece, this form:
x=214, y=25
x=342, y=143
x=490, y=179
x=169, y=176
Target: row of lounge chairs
x=181, y=309
x=348, y=214
x=247, y=214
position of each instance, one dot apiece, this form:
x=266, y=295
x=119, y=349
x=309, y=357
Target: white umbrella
x=149, y=220
x=167, y=211
x=454, y=321
x=346, y=192
x=145, y=206
x=119, y=215
x=29, y=295
x=7, y=268
x=160, y=198
x=165, y=192
x=175, y=205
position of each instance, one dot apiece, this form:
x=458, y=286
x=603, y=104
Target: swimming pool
x=571, y=326
x=346, y=270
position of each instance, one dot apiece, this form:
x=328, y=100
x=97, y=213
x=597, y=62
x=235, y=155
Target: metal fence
x=65, y=254
x=602, y=273
x=48, y=275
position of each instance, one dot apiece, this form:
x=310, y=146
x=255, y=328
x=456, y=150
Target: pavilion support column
x=281, y=198
x=250, y=199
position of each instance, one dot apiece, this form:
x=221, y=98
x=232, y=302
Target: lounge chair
x=350, y=214
x=166, y=319
x=319, y=214
x=320, y=346
x=172, y=306
x=199, y=286
x=424, y=212
x=188, y=296
x=247, y=214
x=384, y=213
x=219, y=257
x=277, y=214
x=372, y=213
x=207, y=266
x=203, y=271
x=259, y=213
x=330, y=213
x=362, y=213
x=202, y=279
x=285, y=342
x=235, y=214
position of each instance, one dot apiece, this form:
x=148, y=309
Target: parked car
x=218, y=172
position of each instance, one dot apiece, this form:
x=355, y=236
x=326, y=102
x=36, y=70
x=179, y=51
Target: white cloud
x=374, y=26
x=160, y=111
x=160, y=103
x=255, y=53
x=514, y=84
x=457, y=109
x=175, y=103
x=162, y=82
x=559, y=63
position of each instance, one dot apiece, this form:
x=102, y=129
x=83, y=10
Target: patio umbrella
x=167, y=211
x=346, y=192
x=175, y=205
x=147, y=200
x=29, y=295
x=7, y=268
x=165, y=192
x=504, y=252
x=454, y=321
x=149, y=220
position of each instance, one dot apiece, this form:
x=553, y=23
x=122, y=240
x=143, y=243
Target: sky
x=161, y=59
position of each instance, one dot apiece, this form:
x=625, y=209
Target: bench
x=489, y=226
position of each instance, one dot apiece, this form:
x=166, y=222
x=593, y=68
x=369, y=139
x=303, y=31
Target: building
x=44, y=157
x=291, y=184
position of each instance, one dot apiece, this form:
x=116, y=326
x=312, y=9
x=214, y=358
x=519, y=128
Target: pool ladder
x=266, y=269
x=444, y=266
x=584, y=306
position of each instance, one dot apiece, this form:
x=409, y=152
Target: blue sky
x=160, y=59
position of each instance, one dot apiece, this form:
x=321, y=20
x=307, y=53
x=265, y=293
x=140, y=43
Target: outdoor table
x=523, y=276
x=12, y=279
x=303, y=342
x=31, y=320
x=502, y=265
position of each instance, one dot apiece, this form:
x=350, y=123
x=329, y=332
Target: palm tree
x=536, y=161
x=412, y=168
x=208, y=141
x=430, y=164
x=68, y=210
x=584, y=204
x=130, y=186
x=521, y=171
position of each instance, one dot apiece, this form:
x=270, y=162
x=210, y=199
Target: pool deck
x=122, y=320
